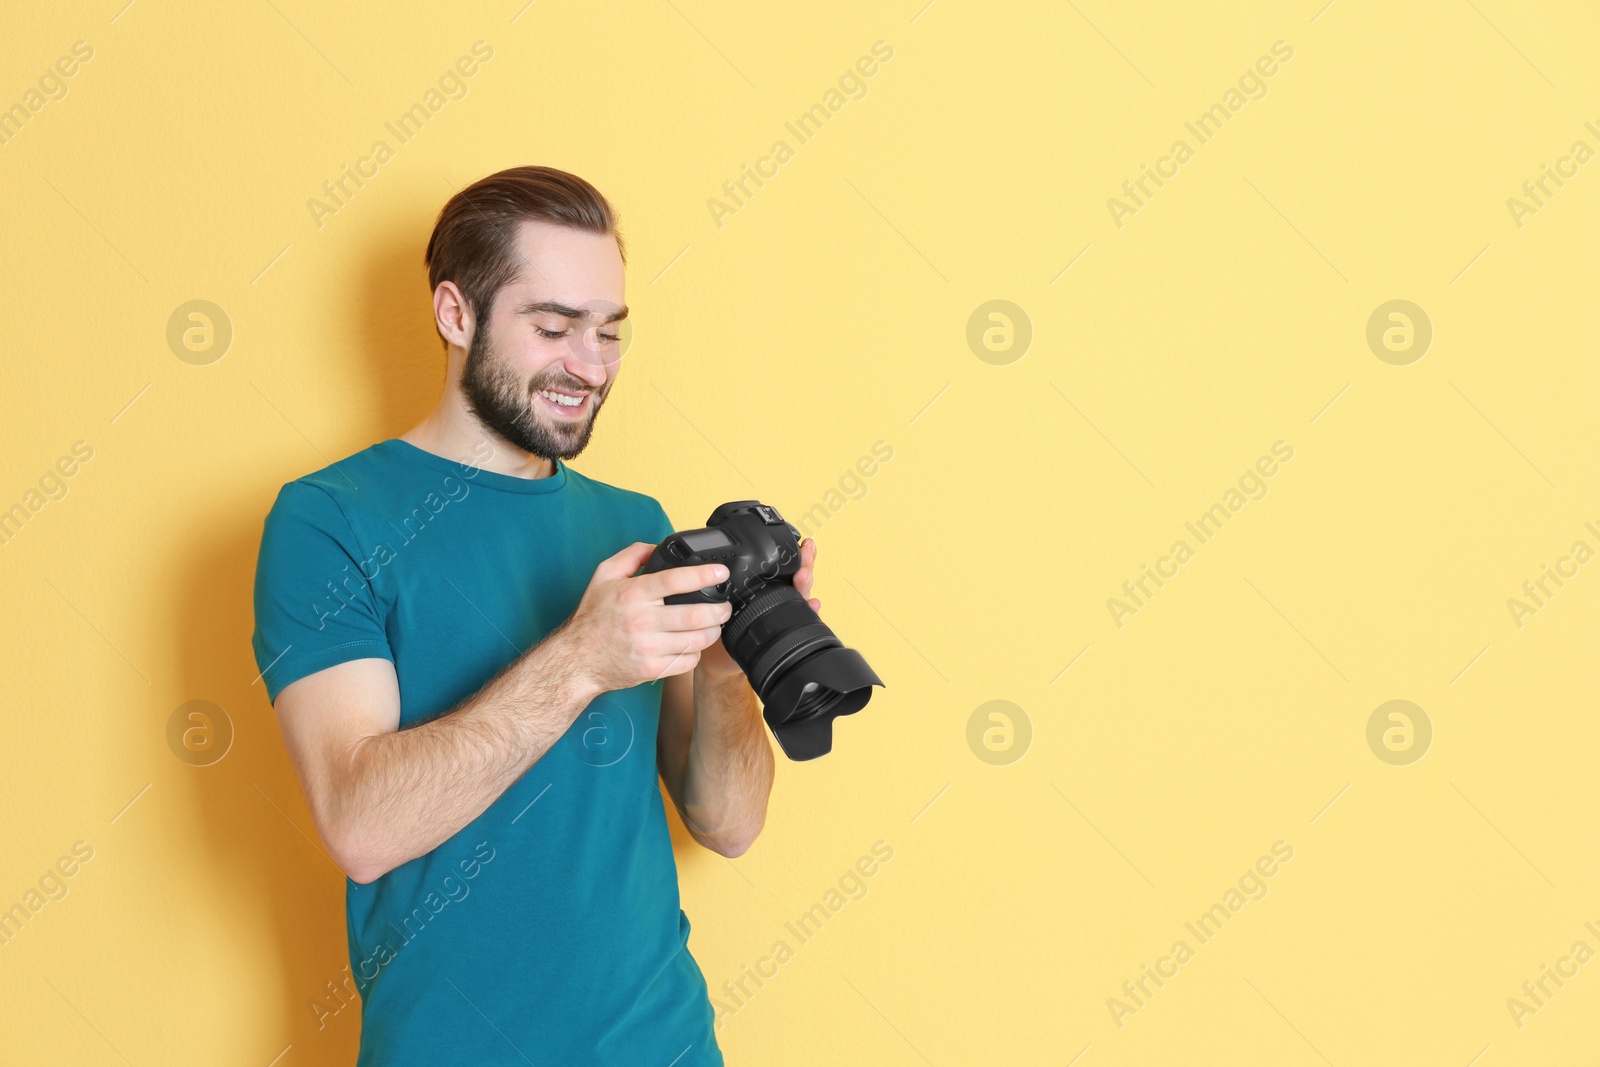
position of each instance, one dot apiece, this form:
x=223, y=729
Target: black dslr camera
x=803, y=675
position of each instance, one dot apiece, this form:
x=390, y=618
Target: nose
x=587, y=366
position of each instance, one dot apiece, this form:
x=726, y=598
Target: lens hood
x=834, y=682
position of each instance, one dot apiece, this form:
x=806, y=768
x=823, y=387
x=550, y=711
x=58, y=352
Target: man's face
x=541, y=365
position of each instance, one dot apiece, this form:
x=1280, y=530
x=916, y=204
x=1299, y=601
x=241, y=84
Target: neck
x=451, y=430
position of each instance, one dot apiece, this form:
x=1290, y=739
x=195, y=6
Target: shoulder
x=637, y=509
x=331, y=497
x=351, y=479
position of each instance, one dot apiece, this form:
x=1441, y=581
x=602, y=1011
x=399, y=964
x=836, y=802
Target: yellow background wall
x=1163, y=752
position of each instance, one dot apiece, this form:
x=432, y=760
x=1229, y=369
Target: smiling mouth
x=565, y=404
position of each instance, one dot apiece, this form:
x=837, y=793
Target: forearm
x=728, y=773
x=406, y=792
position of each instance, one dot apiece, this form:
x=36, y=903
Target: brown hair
x=474, y=240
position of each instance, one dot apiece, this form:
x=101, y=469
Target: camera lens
x=805, y=677
x=814, y=700
x=773, y=630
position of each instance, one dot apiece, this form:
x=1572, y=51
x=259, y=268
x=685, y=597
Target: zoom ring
x=759, y=605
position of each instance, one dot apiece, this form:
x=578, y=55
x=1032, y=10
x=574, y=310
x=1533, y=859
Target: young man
x=477, y=691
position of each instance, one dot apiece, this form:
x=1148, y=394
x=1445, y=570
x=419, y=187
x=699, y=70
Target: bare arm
x=715, y=758
x=381, y=796
x=713, y=751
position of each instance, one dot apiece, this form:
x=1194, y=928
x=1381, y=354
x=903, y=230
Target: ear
x=452, y=316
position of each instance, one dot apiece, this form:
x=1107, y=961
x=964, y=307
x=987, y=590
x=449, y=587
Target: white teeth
x=564, y=401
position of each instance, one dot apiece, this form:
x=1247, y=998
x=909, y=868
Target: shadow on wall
x=256, y=827
x=257, y=832
x=392, y=309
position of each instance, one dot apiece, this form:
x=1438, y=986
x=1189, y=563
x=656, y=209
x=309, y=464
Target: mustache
x=571, y=385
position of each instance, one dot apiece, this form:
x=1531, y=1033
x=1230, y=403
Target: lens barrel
x=804, y=676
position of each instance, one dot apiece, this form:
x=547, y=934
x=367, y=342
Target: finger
x=626, y=562
x=668, y=666
x=676, y=618
x=816, y=605
x=807, y=572
x=674, y=580
x=685, y=642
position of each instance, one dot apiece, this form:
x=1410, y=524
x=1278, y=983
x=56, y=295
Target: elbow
x=732, y=848
x=362, y=872
x=358, y=865
x=350, y=858
x=735, y=844
x=342, y=825
x=351, y=854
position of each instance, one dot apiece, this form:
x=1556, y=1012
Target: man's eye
x=551, y=335
x=608, y=338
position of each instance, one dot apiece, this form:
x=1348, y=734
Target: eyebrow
x=555, y=307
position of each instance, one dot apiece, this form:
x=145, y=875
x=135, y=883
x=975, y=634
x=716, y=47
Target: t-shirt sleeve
x=662, y=526
x=314, y=607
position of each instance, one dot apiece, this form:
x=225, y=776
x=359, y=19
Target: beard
x=510, y=408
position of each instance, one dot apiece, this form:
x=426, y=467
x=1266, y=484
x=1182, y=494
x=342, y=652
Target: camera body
x=755, y=543
x=804, y=676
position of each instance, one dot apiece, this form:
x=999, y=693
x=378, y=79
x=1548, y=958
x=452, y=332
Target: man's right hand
x=382, y=796
x=628, y=636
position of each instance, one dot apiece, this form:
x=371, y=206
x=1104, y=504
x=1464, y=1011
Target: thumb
x=625, y=563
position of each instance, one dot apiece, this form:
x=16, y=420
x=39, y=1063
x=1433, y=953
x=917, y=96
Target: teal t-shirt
x=548, y=930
